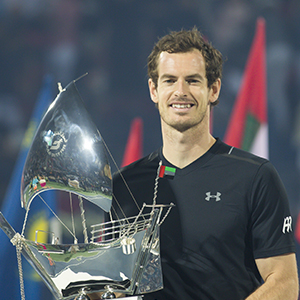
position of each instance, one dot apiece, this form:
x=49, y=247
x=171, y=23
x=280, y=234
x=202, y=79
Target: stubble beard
x=185, y=125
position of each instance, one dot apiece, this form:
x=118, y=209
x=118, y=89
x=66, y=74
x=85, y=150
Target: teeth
x=181, y=105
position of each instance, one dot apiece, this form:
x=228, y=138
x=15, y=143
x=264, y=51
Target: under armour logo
x=287, y=224
x=209, y=196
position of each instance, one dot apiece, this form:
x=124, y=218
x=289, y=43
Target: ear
x=152, y=90
x=215, y=90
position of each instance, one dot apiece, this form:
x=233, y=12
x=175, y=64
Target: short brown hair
x=185, y=41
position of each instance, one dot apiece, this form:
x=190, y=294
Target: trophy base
x=133, y=298
x=83, y=297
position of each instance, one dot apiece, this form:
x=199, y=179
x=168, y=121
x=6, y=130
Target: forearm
x=276, y=290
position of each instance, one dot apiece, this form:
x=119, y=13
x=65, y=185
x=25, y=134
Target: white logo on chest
x=209, y=196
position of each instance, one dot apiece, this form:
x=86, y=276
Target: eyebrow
x=196, y=75
x=167, y=76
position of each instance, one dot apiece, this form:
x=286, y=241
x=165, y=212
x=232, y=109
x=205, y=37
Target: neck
x=182, y=148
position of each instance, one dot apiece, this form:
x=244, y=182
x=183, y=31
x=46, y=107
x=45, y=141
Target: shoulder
x=243, y=164
x=140, y=168
x=135, y=183
x=239, y=155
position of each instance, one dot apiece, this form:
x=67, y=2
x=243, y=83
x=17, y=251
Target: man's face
x=182, y=95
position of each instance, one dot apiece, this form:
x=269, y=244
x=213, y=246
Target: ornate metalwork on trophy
x=117, y=257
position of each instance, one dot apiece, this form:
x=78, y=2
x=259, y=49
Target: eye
x=170, y=80
x=192, y=81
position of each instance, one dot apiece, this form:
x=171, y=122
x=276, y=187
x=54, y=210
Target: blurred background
x=111, y=39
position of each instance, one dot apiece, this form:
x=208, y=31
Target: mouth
x=182, y=105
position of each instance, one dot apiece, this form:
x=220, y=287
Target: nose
x=181, y=88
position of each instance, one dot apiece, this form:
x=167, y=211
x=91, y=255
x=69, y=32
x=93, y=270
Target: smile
x=181, y=105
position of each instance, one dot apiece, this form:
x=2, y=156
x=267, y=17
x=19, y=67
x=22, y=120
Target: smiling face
x=182, y=94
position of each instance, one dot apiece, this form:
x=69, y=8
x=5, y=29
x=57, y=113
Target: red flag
x=297, y=231
x=134, y=147
x=248, y=127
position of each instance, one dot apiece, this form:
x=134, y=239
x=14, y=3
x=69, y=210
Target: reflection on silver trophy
x=119, y=257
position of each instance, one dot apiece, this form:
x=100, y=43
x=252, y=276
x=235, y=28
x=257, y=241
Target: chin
x=182, y=127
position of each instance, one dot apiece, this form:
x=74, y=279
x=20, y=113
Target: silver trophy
x=118, y=257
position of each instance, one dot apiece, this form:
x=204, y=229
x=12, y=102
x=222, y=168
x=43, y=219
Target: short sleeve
x=271, y=221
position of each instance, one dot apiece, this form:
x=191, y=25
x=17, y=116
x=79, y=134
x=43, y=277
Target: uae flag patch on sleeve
x=168, y=172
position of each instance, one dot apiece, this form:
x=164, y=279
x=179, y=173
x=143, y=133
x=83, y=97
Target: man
x=229, y=236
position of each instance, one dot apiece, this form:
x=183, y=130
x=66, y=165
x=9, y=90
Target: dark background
x=111, y=39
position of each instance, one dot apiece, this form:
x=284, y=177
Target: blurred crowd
x=110, y=40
